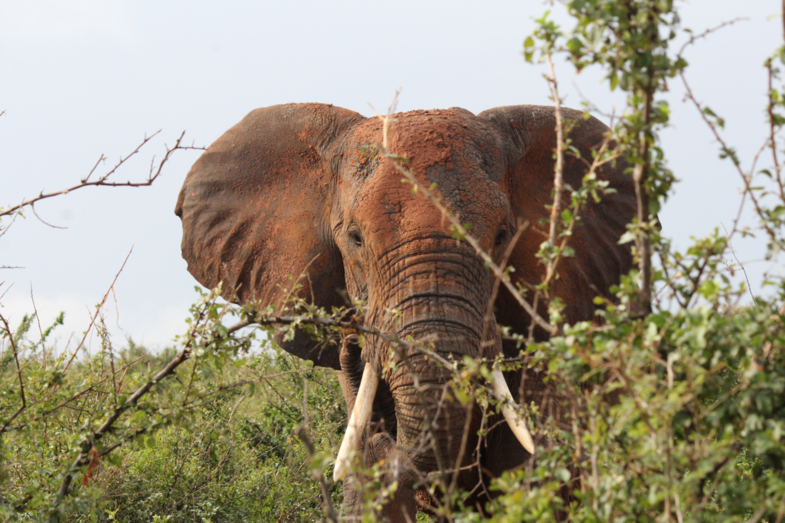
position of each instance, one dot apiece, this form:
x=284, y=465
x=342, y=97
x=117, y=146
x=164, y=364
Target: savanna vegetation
x=671, y=404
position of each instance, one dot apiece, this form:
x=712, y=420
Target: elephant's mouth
x=364, y=407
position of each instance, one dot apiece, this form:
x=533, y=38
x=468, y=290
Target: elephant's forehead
x=453, y=150
x=388, y=203
x=436, y=137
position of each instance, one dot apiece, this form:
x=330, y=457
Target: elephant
x=292, y=190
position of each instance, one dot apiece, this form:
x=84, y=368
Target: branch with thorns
x=103, y=180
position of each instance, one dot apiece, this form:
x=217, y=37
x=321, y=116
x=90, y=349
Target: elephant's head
x=291, y=190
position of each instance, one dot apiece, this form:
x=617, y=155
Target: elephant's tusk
x=513, y=420
x=360, y=416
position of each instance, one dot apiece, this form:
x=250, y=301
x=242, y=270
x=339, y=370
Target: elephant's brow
x=414, y=238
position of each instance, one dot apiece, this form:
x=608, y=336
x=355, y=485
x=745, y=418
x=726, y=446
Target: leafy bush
x=230, y=456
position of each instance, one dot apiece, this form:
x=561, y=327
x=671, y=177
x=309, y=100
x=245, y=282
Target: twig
x=32, y=208
x=733, y=251
x=706, y=33
x=3, y=230
x=18, y=373
x=327, y=503
x=108, y=342
x=746, y=179
x=391, y=339
x=461, y=450
x=97, y=309
x=758, y=514
x=558, y=178
x=773, y=128
x=386, y=120
x=191, y=379
x=38, y=321
x=497, y=280
x=102, y=181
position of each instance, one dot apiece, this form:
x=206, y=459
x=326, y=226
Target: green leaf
x=574, y=45
x=562, y=475
x=614, y=81
x=627, y=237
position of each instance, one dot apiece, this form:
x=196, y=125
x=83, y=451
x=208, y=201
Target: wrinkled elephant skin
x=292, y=190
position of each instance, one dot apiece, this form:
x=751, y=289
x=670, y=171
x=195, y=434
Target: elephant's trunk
x=430, y=422
x=439, y=298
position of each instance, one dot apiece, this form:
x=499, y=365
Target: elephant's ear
x=255, y=210
x=529, y=140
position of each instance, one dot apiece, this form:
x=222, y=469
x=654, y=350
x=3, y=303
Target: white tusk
x=513, y=420
x=361, y=413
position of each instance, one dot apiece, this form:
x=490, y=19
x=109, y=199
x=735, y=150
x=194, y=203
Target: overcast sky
x=83, y=78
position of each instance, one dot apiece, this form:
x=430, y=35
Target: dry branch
x=103, y=181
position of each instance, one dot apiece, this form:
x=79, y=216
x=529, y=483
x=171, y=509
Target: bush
x=231, y=456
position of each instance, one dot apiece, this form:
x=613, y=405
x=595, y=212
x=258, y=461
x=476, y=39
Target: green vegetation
x=230, y=454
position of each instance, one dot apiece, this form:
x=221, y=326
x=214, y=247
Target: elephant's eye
x=501, y=236
x=355, y=237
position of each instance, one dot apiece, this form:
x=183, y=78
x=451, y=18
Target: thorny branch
x=745, y=177
x=341, y=322
x=773, y=129
x=103, y=181
x=327, y=502
x=18, y=373
x=640, y=175
x=558, y=173
x=555, y=253
x=97, y=310
x=706, y=33
x=497, y=280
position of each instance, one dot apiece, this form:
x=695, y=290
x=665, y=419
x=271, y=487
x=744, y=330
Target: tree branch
x=302, y=432
x=103, y=180
x=18, y=373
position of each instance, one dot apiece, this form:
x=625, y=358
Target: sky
x=86, y=78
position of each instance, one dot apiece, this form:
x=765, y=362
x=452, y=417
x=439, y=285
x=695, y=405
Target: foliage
x=218, y=448
x=674, y=411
